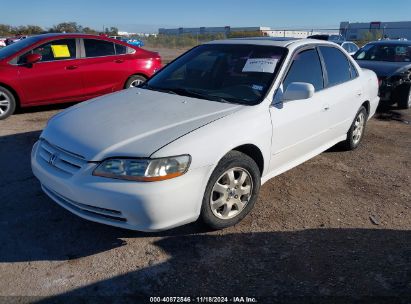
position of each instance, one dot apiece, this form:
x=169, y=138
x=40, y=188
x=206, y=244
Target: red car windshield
x=18, y=46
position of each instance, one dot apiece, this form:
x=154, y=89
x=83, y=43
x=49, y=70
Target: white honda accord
x=199, y=138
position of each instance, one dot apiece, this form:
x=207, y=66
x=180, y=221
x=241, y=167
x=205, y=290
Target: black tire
x=6, y=97
x=133, y=79
x=233, y=160
x=350, y=143
x=403, y=96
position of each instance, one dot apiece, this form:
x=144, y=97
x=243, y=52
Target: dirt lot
x=336, y=227
x=167, y=54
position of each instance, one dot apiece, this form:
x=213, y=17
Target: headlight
x=144, y=170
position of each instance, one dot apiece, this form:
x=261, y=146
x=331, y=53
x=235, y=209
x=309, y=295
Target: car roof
x=396, y=42
x=273, y=41
x=49, y=35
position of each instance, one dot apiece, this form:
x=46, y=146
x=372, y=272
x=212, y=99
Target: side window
x=120, y=49
x=306, y=67
x=98, y=48
x=354, y=47
x=347, y=47
x=337, y=65
x=62, y=49
x=353, y=70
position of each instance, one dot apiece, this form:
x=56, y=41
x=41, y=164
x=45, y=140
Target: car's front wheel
x=7, y=103
x=231, y=191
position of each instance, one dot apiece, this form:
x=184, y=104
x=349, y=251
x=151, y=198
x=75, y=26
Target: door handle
x=359, y=93
x=119, y=61
x=71, y=67
x=326, y=107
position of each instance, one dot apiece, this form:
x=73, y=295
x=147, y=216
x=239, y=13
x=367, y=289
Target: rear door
x=299, y=126
x=344, y=87
x=105, y=66
x=57, y=77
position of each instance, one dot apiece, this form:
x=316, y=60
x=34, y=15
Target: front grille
x=97, y=212
x=60, y=159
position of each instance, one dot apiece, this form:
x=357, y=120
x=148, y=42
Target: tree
x=67, y=27
x=5, y=30
x=112, y=31
x=27, y=30
x=88, y=30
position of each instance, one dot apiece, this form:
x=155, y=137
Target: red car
x=57, y=68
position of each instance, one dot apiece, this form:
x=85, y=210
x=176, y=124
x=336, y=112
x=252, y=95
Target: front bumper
x=138, y=206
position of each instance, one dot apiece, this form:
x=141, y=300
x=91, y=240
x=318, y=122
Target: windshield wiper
x=195, y=94
x=189, y=93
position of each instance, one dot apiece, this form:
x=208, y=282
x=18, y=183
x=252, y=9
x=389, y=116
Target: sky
x=148, y=16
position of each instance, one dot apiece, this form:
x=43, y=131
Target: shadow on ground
x=44, y=108
x=347, y=263
x=387, y=112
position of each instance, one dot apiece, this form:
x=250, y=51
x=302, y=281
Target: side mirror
x=298, y=91
x=33, y=58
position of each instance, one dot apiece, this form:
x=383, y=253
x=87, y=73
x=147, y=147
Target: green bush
x=191, y=40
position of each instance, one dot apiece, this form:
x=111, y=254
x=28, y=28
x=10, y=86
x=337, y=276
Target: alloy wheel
x=231, y=193
x=358, y=128
x=135, y=83
x=4, y=104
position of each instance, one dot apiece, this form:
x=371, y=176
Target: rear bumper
x=131, y=205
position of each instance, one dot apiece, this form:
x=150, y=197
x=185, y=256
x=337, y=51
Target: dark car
x=391, y=61
x=326, y=37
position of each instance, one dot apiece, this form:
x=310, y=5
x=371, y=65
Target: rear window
x=98, y=48
x=120, y=49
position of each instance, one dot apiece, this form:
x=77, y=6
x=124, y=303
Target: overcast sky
x=148, y=16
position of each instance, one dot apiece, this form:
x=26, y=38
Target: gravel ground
x=336, y=228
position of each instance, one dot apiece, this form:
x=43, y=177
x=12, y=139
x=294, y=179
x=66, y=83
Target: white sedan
x=199, y=138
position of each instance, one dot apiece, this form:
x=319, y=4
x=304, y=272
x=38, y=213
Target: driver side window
x=61, y=49
x=306, y=67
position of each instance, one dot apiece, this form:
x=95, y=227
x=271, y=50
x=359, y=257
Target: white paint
x=155, y=124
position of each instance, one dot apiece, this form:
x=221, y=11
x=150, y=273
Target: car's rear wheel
x=7, y=103
x=356, y=131
x=135, y=81
x=231, y=191
x=403, y=96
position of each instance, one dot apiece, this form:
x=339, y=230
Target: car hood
x=384, y=68
x=133, y=122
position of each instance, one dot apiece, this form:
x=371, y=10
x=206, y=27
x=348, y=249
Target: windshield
x=238, y=73
x=18, y=46
x=385, y=52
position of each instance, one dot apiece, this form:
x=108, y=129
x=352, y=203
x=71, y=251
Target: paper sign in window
x=262, y=65
x=60, y=51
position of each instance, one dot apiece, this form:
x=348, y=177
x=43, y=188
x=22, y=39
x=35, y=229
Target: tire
x=355, y=135
x=233, y=199
x=403, y=96
x=7, y=103
x=135, y=81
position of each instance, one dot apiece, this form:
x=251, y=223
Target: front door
x=299, y=126
x=56, y=77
